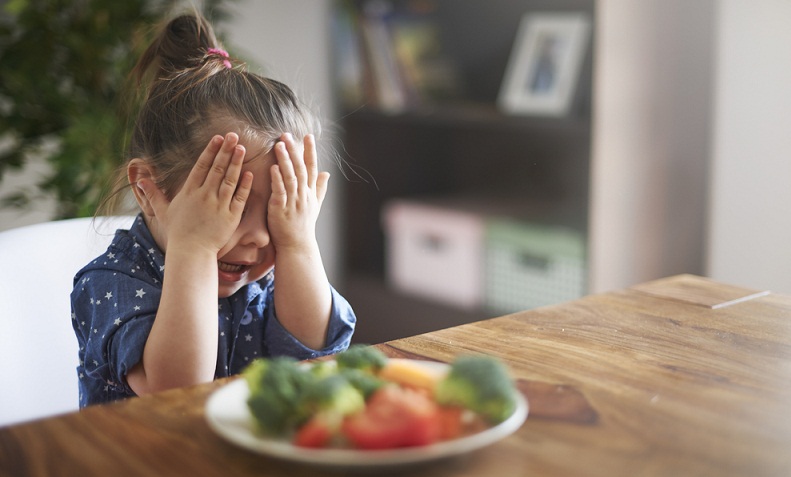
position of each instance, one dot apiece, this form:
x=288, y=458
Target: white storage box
x=435, y=252
x=530, y=265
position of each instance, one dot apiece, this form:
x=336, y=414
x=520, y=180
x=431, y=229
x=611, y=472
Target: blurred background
x=451, y=203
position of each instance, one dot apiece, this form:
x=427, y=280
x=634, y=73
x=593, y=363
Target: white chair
x=38, y=348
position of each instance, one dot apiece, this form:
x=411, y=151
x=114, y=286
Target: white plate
x=228, y=415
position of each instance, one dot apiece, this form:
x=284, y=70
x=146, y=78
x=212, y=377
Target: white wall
x=750, y=228
x=652, y=102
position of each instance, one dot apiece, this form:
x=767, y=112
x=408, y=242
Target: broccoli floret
x=480, y=384
x=331, y=395
x=364, y=382
x=254, y=372
x=362, y=357
x=322, y=369
x=276, y=386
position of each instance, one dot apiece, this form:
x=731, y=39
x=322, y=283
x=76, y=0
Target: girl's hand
x=302, y=296
x=208, y=208
x=298, y=190
x=181, y=348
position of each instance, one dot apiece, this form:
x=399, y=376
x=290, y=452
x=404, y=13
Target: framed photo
x=544, y=65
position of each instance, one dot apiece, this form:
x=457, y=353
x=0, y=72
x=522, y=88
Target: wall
x=750, y=228
x=652, y=103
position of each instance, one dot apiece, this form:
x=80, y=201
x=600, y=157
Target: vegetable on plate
x=365, y=400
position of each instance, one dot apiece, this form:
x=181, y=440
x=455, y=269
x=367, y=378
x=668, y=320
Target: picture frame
x=544, y=65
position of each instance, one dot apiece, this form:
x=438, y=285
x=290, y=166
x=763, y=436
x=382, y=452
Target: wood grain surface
x=635, y=382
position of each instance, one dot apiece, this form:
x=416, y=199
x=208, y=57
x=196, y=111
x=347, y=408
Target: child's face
x=249, y=254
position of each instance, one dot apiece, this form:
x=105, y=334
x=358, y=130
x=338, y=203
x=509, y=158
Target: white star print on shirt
x=140, y=293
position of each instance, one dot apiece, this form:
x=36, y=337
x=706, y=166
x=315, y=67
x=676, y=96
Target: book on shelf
x=390, y=56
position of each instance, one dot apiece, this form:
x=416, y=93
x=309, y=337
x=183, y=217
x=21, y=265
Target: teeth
x=227, y=267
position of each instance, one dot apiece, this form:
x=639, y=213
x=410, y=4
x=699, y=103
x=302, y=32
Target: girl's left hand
x=298, y=190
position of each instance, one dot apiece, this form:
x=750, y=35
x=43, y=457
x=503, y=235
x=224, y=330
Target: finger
x=242, y=193
x=201, y=168
x=222, y=159
x=296, y=150
x=321, y=187
x=229, y=184
x=279, y=197
x=286, y=166
x=311, y=160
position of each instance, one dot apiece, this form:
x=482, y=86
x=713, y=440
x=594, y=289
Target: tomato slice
x=315, y=433
x=394, y=417
x=450, y=422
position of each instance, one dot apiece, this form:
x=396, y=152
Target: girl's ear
x=136, y=170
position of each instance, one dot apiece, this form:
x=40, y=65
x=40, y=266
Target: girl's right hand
x=208, y=208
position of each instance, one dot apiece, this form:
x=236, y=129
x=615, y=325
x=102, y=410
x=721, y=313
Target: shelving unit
x=463, y=149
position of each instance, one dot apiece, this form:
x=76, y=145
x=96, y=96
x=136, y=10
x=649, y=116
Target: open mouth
x=233, y=272
x=231, y=268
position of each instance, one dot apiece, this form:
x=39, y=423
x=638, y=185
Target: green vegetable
x=363, y=381
x=330, y=395
x=276, y=386
x=254, y=372
x=480, y=384
x=285, y=393
x=362, y=357
x=322, y=369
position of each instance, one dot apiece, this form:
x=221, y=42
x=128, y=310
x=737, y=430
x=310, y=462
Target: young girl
x=223, y=165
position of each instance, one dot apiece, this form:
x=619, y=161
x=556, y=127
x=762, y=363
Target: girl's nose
x=254, y=232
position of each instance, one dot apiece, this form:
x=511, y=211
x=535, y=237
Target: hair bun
x=182, y=44
x=185, y=41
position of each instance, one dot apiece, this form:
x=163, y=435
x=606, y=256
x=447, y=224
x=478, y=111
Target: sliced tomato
x=394, y=417
x=450, y=422
x=316, y=432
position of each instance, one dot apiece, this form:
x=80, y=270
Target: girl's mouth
x=232, y=272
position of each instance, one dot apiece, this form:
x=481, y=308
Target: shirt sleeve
x=114, y=314
x=280, y=342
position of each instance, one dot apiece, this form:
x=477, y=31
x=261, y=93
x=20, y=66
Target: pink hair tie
x=223, y=53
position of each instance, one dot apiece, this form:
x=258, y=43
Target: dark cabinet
x=459, y=147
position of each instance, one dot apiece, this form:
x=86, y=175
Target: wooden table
x=678, y=377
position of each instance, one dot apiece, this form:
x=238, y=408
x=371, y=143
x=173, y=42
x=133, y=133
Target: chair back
x=38, y=348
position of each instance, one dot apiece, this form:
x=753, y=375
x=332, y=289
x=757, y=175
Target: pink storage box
x=435, y=252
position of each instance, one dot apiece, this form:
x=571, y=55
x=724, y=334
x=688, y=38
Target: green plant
x=63, y=90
